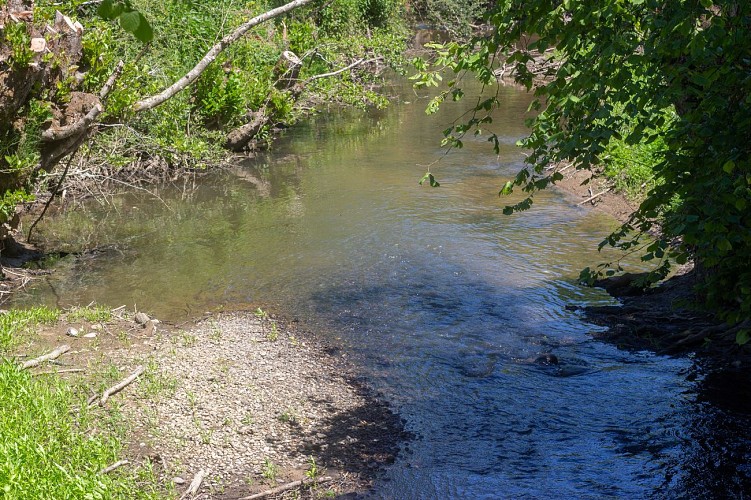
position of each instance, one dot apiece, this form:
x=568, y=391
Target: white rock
x=178, y=480
x=90, y=335
x=72, y=332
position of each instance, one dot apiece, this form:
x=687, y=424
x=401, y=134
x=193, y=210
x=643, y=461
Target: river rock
x=72, y=332
x=142, y=318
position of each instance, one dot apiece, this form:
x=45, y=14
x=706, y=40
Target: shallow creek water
x=436, y=295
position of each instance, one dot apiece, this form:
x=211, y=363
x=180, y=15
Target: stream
x=438, y=298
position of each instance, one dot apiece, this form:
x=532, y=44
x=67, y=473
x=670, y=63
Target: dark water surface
x=437, y=296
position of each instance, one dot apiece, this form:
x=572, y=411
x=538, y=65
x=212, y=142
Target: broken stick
x=288, y=486
x=119, y=386
x=592, y=198
x=114, y=466
x=195, y=484
x=41, y=359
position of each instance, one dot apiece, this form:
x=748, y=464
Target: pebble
x=178, y=480
x=90, y=335
x=72, y=332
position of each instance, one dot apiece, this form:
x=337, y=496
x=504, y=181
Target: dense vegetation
x=190, y=128
x=664, y=82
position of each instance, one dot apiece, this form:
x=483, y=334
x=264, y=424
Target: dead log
x=238, y=139
x=49, y=356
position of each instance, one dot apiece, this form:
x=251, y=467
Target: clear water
x=438, y=297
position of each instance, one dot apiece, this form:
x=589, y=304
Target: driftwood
x=49, y=356
x=288, y=486
x=593, y=197
x=118, y=387
x=114, y=466
x=195, y=484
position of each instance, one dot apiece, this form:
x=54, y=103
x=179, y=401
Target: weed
x=92, y=314
x=216, y=333
x=313, y=471
x=155, y=383
x=269, y=470
x=273, y=334
x=247, y=419
x=192, y=399
x=188, y=339
x=260, y=313
x=288, y=417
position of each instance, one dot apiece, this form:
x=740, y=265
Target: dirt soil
x=247, y=400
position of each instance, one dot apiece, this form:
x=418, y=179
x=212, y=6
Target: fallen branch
x=107, y=88
x=593, y=197
x=212, y=54
x=114, y=466
x=288, y=486
x=119, y=386
x=41, y=359
x=195, y=484
x=54, y=135
x=56, y=372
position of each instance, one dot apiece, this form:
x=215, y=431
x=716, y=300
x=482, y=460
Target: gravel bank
x=253, y=403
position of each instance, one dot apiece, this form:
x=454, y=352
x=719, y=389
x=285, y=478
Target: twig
x=195, y=484
x=41, y=359
x=52, y=196
x=288, y=486
x=55, y=372
x=119, y=386
x=342, y=70
x=591, y=198
x=114, y=466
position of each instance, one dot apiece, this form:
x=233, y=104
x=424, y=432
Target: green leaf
x=431, y=180
x=729, y=166
x=506, y=189
x=742, y=337
x=144, y=33
x=130, y=21
x=105, y=10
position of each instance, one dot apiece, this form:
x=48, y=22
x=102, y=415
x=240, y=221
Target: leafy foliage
x=630, y=66
x=130, y=19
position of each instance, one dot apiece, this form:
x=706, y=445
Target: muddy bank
x=250, y=402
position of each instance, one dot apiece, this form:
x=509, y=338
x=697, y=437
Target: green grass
x=92, y=314
x=17, y=321
x=51, y=446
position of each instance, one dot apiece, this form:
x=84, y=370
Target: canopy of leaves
x=679, y=70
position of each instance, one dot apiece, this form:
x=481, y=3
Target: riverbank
x=244, y=401
x=660, y=319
